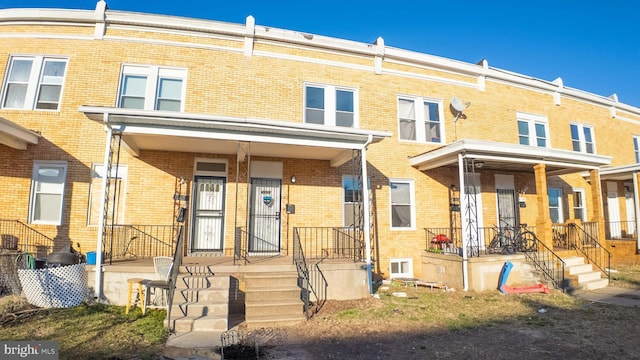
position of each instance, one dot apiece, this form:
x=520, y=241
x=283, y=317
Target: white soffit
x=15, y=136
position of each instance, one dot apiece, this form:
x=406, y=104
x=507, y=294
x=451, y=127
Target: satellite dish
x=456, y=104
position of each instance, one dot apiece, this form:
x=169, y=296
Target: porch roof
x=622, y=172
x=16, y=136
x=190, y=132
x=509, y=157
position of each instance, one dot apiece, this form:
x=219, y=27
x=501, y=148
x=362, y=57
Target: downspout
x=106, y=163
x=463, y=229
x=367, y=212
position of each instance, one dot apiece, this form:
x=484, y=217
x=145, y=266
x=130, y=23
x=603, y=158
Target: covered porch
x=242, y=195
x=516, y=177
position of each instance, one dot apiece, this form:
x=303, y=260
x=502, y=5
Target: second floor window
x=152, y=88
x=636, y=148
x=533, y=130
x=582, y=138
x=34, y=82
x=419, y=120
x=331, y=106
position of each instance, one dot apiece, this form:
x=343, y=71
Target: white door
x=264, y=233
x=631, y=210
x=208, y=210
x=613, y=210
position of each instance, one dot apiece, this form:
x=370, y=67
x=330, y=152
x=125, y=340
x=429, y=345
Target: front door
x=507, y=214
x=264, y=222
x=208, y=224
x=613, y=210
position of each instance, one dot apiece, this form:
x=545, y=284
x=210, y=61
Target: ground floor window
x=555, y=205
x=402, y=204
x=401, y=268
x=47, y=192
x=579, y=211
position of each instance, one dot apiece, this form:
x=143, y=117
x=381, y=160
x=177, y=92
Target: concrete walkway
x=612, y=295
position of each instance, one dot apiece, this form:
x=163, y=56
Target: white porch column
x=106, y=163
x=367, y=212
x=637, y=208
x=464, y=218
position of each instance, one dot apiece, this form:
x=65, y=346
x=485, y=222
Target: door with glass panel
x=264, y=221
x=208, y=210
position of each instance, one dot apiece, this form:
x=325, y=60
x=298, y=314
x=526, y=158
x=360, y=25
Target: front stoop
x=272, y=299
x=200, y=303
x=583, y=274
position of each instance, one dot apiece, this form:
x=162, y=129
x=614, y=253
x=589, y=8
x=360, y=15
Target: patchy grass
x=90, y=331
x=626, y=276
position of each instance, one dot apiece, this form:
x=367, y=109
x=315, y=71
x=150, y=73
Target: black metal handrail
x=548, y=262
x=138, y=241
x=312, y=281
x=320, y=243
x=173, y=275
x=18, y=236
x=587, y=244
x=241, y=246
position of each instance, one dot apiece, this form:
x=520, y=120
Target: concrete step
x=201, y=309
x=204, y=295
x=273, y=308
x=270, y=279
x=578, y=269
x=595, y=284
x=200, y=323
x=280, y=293
x=587, y=276
x=274, y=321
x=573, y=260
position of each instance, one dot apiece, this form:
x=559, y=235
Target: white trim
x=532, y=120
x=35, y=178
x=420, y=118
x=399, y=261
x=581, y=137
x=412, y=204
x=581, y=191
x=198, y=160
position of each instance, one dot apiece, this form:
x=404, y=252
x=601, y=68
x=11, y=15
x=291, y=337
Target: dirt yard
x=455, y=325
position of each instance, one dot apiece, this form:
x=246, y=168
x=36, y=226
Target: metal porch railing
x=311, y=279
x=587, y=244
x=139, y=241
x=320, y=243
x=18, y=236
x=549, y=263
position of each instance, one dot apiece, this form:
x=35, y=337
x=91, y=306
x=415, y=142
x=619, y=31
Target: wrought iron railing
x=320, y=243
x=173, y=275
x=549, y=263
x=311, y=279
x=449, y=240
x=619, y=230
x=587, y=244
x=139, y=241
x=18, y=236
x=241, y=246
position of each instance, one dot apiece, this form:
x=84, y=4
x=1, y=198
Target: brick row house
x=111, y=121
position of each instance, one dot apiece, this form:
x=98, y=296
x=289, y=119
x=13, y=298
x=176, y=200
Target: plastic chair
x=162, y=265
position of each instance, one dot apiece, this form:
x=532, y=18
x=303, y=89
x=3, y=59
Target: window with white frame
x=47, y=192
x=152, y=88
x=636, y=147
x=555, y=205
x=419, y=119
x=117, y=192
x=582, y=138
x=352, y=201
x=402, y=204
x=533, y=130
x=34, y=82
x=401, y=268
x=330, y=105
x=579, y=211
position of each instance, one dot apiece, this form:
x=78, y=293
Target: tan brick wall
x=222, y=81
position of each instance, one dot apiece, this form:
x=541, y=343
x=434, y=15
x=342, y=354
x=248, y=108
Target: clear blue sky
x=592, y=45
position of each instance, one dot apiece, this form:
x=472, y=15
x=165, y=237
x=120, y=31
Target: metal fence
x=18, y=236
x=319, y=243
x=139, y=241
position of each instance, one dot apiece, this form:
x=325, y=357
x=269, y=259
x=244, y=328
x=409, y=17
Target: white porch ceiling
x=509, y=157
x=198, y=133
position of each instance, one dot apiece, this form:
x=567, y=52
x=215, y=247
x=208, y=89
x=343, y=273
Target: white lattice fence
x=58, y=287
